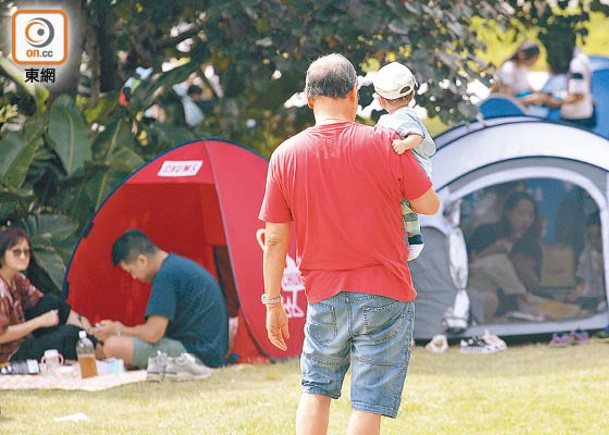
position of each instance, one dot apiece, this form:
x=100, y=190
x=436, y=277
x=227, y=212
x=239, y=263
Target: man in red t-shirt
x=342, y=183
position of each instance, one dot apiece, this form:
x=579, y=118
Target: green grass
x=529, y=389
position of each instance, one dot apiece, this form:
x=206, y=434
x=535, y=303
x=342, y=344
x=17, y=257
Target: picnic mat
x=97, y=383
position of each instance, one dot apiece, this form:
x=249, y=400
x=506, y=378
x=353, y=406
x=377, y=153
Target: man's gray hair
x=330, y=76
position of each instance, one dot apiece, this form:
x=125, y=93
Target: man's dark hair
x=330, y=76
x=194, y=90
x=131, y=244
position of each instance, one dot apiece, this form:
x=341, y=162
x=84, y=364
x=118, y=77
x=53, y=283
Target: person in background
x=192, y=112
x=498, y=282
x=341, y=184
x=186, y=311
x=513, y=76
x=590, y=291
x=576, y=103
x=31, y=321
x=519, y=219
x=396, y=87
x=544, y=102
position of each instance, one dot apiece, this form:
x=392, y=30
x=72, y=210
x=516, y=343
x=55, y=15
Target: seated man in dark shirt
x=186, y=311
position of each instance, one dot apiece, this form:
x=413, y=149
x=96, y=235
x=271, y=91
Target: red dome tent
x=199, y=200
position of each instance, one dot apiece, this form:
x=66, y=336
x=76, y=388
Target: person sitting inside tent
x=31, y=321
x=185, y=316
x=519, y=219
x=497, y=282
x=590, y=290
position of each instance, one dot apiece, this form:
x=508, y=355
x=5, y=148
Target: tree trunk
x=68, y=74
x=108, y=69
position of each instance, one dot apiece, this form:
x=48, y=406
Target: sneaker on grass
x=493, y=340
x=560, y=339
x=477, y=345
x=438, y=344
x=185, y=368
x=155, y=370
x=579, y=337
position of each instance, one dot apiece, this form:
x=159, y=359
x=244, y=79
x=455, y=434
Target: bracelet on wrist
x=270, y=301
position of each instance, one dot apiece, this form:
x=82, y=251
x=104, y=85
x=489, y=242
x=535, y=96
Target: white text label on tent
x=183, y=168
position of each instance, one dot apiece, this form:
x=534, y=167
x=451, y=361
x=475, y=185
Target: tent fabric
x=475, y=156
x=199, y=200
x=600, y=90
x=500, y=106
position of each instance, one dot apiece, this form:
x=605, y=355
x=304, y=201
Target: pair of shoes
x=438, y=344
x=155, y=370
x=560, y=339
x=579, y=337
x=493, y=340
x=181, y=368
x=477, y=345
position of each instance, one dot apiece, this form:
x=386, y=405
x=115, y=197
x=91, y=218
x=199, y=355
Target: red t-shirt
x=342, y=185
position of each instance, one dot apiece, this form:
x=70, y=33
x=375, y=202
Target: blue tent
x=600, y=91
x=499, y=106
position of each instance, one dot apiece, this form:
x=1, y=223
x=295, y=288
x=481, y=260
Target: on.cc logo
x=40, y=37
x=39, y=32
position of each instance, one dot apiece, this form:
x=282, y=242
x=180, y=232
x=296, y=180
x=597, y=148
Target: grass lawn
x=529, y=389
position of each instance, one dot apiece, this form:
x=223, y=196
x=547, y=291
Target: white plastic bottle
x=85, y=352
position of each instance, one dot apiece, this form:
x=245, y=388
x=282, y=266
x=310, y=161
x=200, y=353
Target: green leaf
x=104, y=106
x=48, y=232
x=16, y=156
x=47, y=229
x=145, y=94
x=170, y=135
x=123, y=162
x=69, y=135
x=52, y=264
x=39, y=92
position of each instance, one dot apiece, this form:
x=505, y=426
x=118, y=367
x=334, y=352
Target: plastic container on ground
x=85, y=351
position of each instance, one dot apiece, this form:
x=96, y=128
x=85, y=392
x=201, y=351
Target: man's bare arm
x=428, y=203
x=277, y=240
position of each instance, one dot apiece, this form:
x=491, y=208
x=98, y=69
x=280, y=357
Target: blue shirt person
x=186, y=311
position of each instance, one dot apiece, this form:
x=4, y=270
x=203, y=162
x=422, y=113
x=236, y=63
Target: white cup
x=51, y=360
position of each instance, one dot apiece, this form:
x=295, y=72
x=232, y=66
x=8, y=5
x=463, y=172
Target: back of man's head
x=330, y=76
x=131, y=244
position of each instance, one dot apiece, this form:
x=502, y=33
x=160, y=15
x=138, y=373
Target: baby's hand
x=399, y=146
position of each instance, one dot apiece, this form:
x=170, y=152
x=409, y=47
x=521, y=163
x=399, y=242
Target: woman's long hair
x=512, y=201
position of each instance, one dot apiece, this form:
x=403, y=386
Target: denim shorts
x=371, y=333
x=142, y=350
